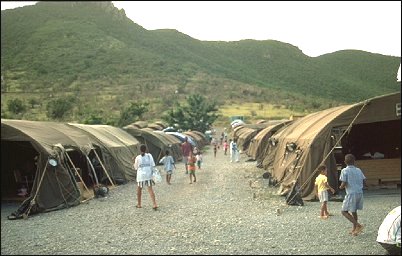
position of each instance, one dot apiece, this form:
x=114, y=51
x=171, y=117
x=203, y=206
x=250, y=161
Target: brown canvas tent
x=245, y=133
x=259, y=143
x=309, y=141
x=49, y=187
x=157, y=143
x=121, y=145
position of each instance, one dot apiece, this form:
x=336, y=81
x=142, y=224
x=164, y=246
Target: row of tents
x=290, y=151
x=57, y=165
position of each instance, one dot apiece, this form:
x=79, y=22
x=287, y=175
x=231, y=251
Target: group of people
x=232, y=146
x=144, y=164
x=353, y=181
x=351, y=177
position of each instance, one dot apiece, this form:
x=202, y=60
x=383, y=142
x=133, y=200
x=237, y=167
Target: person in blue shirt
x=353, y=180
x=168, y=165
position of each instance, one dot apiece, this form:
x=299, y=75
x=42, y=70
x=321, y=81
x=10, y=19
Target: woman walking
x=144, y=163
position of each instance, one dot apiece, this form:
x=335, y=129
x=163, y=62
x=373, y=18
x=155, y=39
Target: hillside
x=93, y=54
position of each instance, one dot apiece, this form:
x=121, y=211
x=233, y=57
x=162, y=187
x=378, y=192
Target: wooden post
x=75, y=169
x=104, y=169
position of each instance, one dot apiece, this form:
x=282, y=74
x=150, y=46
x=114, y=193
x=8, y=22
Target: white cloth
x=390, y=230
x=168, y=163
x=144, y=165
x=234, y=152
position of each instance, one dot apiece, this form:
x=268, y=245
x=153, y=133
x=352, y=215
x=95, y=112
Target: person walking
x=186, y=149
x=225, y=147
x=144, y=164
x=199, y=159
x=191, y=162
x=234, y=152
x=322, y=187
x=353, y=181
x=168, y=165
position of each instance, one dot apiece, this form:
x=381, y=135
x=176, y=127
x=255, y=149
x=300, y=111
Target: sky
x=316, y=28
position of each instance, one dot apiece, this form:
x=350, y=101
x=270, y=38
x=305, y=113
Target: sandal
x=138, y=206
x=155, y=208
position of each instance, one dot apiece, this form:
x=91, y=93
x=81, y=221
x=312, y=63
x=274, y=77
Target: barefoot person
x=353, y=180
x=322, y=187
x=186, y=148
x=191, y=162
x=168, y=165
x=144, y=164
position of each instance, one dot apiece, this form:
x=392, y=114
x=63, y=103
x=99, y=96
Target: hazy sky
x=315, y=28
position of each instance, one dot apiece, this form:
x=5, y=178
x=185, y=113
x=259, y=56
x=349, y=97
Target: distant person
x=221, y=138
x=168, y=165
x=144, y=164
x=389, y=232
x=322, y=187
x=191, y=162
x=234, y=151
x=353, y=180
x=199, y=159
x=215, y=150
x=225, y=147
x=186, y=149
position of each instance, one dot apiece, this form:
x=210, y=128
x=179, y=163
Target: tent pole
x=32, y=202
x=75, y=169
x=347, y=129
x=103, y=167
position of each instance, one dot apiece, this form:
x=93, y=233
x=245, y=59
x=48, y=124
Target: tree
x=57, y=109
x=196, y=115
x=132, y=113
x=16, y=106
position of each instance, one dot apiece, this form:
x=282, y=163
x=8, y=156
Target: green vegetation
x=196, y=114
x=93, y=55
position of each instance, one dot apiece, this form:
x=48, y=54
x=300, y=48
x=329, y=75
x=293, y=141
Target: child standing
x=322, y=187
x=168, y=165
x=215, y=150
x=225, y=146
x=199, y=159
x=191, y=166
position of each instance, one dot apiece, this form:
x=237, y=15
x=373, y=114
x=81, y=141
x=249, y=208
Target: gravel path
x=229, y=210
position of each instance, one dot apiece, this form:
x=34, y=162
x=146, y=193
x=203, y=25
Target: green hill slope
x=94, y=53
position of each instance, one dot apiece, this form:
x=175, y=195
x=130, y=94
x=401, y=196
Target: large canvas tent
x=49, y=187
x=297, y=151
x=259, y=143
x=157, y=143
x=121, y=146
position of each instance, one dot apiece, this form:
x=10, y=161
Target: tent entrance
x=376, y=147
x=18, y=170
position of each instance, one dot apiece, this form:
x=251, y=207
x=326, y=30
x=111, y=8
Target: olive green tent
x=297, y=150
x=157, y=143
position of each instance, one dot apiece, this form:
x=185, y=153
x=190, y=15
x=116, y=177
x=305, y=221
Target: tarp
x=313, y=139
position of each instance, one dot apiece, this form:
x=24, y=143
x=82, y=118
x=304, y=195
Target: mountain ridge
x=72, y=47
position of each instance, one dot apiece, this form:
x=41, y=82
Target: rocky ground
x=229, y=210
